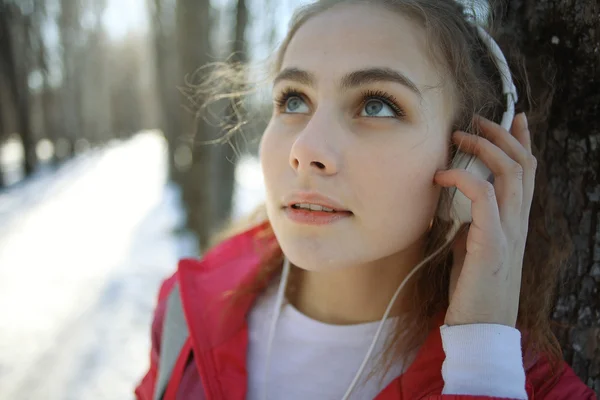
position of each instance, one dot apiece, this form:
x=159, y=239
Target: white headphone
x=460, y=204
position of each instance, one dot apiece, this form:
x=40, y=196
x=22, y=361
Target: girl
x=371, y=101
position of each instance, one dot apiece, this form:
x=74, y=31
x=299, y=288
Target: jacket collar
x=207, y=284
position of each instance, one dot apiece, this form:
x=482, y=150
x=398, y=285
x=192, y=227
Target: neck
x=355, y=294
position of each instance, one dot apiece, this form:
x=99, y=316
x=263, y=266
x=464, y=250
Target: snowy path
x=82, y=253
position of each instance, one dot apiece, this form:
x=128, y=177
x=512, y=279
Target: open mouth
x=315, y=214
x=316, y=208
x=312, y=207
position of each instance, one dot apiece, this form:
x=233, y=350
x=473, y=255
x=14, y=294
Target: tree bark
x=563, y=36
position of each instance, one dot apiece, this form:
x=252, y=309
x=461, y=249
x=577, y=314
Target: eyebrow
x=353, y=79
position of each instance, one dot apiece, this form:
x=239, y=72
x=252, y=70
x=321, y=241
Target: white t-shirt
x=314, y=360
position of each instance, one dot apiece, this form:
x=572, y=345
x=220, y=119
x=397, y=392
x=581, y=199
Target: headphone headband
x=508, y=87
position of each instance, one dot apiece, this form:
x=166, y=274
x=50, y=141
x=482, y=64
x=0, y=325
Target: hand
x=485, y=279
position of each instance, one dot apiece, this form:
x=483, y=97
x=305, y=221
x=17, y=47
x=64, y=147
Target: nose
x=316, y=149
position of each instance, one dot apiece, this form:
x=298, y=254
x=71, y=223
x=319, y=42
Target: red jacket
x=212, y=364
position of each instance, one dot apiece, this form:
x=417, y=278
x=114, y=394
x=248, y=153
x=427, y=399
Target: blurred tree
x=93, y=60
x=226, y=155
x=3, y=135
x=562, y=38
x=70, y=36
x=167, y=70
x=193, y=45
x=83, y=88
x=15, y=66
x=45, y=93
x=125, y=86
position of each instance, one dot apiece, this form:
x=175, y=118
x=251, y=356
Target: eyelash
x=386, y=98
x=284, y=96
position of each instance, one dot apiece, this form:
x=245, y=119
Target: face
x=356, y=126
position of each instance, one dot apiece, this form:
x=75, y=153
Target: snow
x=82, y=253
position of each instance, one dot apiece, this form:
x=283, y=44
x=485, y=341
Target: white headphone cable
x=449, y=237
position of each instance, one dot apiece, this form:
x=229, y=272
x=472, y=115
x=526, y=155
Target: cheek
x=274, y=154
x=397, y=190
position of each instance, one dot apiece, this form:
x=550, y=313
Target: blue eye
x=377, y=108
x=295, y=105
x=379, y=104
x=291, y=101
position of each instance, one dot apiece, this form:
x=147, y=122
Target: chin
x=315, y=261
x=314, y=252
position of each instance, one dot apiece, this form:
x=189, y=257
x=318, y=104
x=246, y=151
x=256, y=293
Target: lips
x=308, y=217
x=314, y=198
x=313, y=208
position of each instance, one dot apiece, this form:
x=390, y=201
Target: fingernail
x=524, y=118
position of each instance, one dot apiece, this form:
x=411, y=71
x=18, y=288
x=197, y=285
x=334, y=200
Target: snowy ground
x=82, y=252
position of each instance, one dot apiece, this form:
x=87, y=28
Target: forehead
x=348, y=37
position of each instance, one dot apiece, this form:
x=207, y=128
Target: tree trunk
x=24, y=124
x=15, y=35
x=71, y=71
x=3, y=135
x=50, y=129
x=226, y=157
x=167, y=71
x=193, y=43
x=565, y=35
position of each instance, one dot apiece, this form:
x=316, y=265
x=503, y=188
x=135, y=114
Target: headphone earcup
x=460, y=205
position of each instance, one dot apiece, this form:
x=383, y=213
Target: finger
x=508, y=142
x=521, y=132
x=508, y=175
x=518, y=146
x=484, y=205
